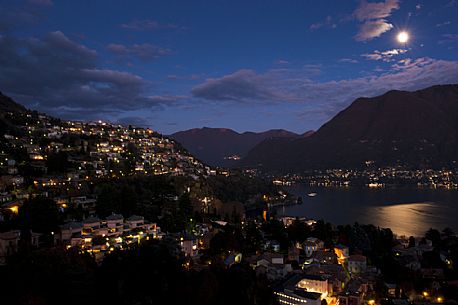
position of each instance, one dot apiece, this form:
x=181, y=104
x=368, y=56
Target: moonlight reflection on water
x=405, y=211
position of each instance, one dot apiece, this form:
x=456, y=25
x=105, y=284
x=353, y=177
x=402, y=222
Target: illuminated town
x=228, y=152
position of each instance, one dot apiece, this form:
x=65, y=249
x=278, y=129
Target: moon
x=403, y=37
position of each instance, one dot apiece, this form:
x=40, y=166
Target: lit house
x=293, y=291
x=189, y=245
x=297, y=296
x=115, y=224
x=311, y=245
x=135, y=221
x=90, y=225
x=314, y=283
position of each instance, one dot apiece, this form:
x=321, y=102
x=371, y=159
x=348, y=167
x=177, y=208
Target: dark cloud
x=144, y=52
x=18, y=14
x=137, y=121
x=191, y=77
x=373, y=17
x=148, y=25
x=241, y=86
x=59, y=76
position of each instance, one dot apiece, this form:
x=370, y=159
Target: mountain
x=410, y=128
x=8, y=105
x=222, y=146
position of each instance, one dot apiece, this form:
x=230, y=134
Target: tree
x=40, y=215
x=434, y=236
x=116, y=198
x=411, y=242
x=298, y=231
x=58, y=162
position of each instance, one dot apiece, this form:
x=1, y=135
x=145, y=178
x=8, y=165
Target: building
x=311, y=245
x=357, y=263
x=9, y=242
x=298, y=296
x=189, y=245
x=350, y=299
x=66, y=232
x=115, y=224
x=293, y=253
x=314, y=283
x=323, y=257
x=135, y=221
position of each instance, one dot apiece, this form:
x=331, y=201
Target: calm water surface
x=407, y=211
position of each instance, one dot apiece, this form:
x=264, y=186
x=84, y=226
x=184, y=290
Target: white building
x=314, y=283
x=357, y=263
x=297, y=297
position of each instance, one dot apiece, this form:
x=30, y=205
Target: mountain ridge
x=416, y=128
x=220, y=146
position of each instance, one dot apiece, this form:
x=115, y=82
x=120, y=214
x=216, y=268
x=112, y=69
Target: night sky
x=247, y=65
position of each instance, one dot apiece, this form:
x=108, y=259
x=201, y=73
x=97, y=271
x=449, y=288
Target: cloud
x=138, y=121
x=348, y=60
x=372, y=29
x=443, y=24
x=373, y=17
x=16, y=14
x=241, y=86
x=282, y=62
x=192, y=77
x=375, y=10
x=386, y=56
x=57, y=75
x=313, y=69
x=324, y=99
x=144, y=52
x=448, y=38
x=328, y=23
x=148, y=25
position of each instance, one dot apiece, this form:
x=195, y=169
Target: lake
x=407, y=211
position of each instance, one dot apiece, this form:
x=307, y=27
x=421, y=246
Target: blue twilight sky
x=247, y=65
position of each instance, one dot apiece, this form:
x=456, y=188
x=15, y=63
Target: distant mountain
x=222, y=146
x=410, y=128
